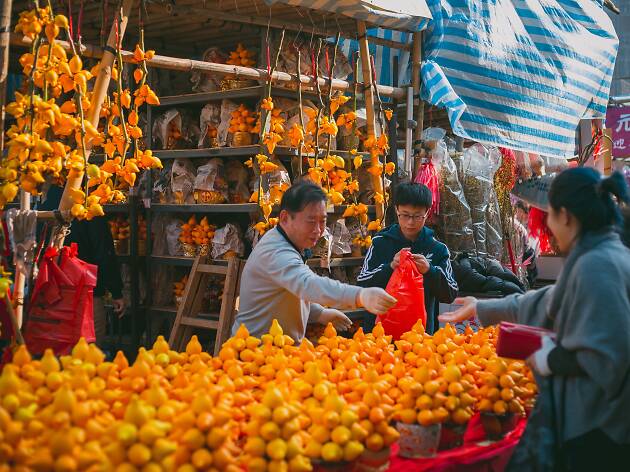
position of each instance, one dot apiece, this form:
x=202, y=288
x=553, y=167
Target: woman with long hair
x=581, y=420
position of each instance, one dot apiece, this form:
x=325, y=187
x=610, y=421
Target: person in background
x=521, y=212
x=96, y=246
x=412, y=202
x=277, y=283
x=584, y=373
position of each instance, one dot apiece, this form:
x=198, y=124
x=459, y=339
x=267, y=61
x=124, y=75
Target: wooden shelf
x=172, y=310
x=246, y=92
x=173, y=260
x=116, y=208
x=201, y=208
x=338, y=262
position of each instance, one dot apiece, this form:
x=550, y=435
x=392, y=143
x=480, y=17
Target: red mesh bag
x=407, y=286
x=61, y=308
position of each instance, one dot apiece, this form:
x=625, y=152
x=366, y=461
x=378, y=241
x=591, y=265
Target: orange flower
x=267, y=104
x=390, y=168
x=271, y=140
x=336, y=102
x=388, y=114
x=375, y=225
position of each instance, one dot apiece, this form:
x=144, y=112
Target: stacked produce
x=120, y=230
x=241, y=57
x=186, y=236
x=242, y=126
x=202, y=236
x=178, y=289
x=261, y=404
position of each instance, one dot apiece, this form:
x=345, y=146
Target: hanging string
x=79, y=22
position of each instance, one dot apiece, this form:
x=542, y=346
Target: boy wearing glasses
x=412, y=202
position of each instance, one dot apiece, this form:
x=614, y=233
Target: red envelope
x=518, y=341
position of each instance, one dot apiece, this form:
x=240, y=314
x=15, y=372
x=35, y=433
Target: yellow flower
x=390, y=167
x=388, y=114
x=267, y=104
x=375, y=225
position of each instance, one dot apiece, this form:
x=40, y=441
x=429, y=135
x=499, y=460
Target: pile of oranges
x=243, y=120
x=178, y=289
x=260, y=404
x=241, y=57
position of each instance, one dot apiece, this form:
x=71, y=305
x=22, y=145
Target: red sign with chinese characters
x=618, y=120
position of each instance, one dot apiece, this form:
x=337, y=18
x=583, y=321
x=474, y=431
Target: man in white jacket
x=277, y=283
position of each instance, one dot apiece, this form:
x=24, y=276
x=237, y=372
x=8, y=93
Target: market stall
x=187, y=153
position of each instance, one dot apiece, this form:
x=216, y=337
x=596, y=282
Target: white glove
x=539, y=360
x=339, y=320
x=375, y=300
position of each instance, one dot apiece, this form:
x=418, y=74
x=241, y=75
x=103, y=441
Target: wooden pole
x=20, y=279
x=368, y=94
x=5, y=36
x=98, y=96
x=416, y=58
x=608, y=145
x=189, y=65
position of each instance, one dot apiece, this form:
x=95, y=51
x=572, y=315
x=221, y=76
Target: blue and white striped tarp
x=519, y=73
x=405, y=15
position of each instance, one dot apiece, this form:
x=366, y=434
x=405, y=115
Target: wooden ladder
x=189, y=314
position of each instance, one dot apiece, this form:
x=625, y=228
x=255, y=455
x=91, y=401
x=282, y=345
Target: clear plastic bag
x=162, y=192
x=176, y=129
x=341, y=239
x=528, y=164
x=209, y=122
x=228, y=242
x=182, y=181
x=479, y=165
x=455, y=221
x=210, y=184
x=172, y=232
x=227, y=107
x=237, y=177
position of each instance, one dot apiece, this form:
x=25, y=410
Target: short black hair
x=521, y=205
x=418, y=195
x=301, y=194
x=589, y=197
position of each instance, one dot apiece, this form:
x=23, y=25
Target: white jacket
x=276, y=283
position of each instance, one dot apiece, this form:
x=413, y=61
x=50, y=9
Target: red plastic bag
x=518, y=341
x=407, y=286
x=61, y=309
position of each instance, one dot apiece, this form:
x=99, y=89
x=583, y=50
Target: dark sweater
x=96, y=246
x=439, y=284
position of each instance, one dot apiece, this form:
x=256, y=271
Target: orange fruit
x=425, y=418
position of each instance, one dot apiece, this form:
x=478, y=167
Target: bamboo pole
x=5, y=35
x=189, y=65
x=418, y=103
x=98, y=96
x=368, y=94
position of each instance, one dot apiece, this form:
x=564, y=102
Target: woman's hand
x=467, y=311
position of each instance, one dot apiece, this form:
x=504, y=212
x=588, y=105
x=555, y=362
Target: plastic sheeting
x=521, y=73
x=408, y=15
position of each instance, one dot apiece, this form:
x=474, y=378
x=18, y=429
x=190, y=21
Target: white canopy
x=406, y=15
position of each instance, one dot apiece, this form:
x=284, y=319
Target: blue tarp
x=514, y=73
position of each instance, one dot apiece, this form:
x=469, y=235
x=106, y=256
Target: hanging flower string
x=270, y=134
x=51, y=139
